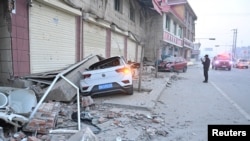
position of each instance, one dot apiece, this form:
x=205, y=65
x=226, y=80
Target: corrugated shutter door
x=52, y=38
x=139, y=53
x=117, y=44
x=94, y=40
x=131, y=52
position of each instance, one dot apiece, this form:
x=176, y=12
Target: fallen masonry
x=56, y=119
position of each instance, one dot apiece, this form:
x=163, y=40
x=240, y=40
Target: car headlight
x=217, y=62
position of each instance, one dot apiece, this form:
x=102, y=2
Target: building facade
x=44, y=35
x=174, y=30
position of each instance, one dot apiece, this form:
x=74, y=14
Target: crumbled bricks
x=102, y=120
x=111, y=115
x=86, y=101
x=19, y=135
x=45, y=118
x=32, y=138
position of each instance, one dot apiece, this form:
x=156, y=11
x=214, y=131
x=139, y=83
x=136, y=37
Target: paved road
x=235, y=85
x=189, y=105
x=182, y=111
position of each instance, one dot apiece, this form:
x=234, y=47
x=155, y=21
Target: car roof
x=105, y=60
x=242, y=59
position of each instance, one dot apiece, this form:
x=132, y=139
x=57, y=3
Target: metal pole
x=53, y=83
x=43, y=97
x=235, y=42
x=141, y=66
x=232, y=52
x=78, y=101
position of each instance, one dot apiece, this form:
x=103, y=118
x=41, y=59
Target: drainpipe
x=81, y=37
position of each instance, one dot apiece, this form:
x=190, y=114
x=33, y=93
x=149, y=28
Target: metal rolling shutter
x=52, y=38
x=117, y=44
x=131, y=52
x=94, y=40
x=139, y=53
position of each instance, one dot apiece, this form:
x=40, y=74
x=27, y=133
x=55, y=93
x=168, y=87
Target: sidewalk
x=151, y=89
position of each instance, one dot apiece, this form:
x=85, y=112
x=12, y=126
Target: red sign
x=172, y=39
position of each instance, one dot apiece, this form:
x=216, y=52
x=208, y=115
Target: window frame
x=175, y=28
x=180, y=31
x=141, y=20
x=167, y=24
x=118, y=5
x=131, y=12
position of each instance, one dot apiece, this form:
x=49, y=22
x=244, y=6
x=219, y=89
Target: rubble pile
x=113, y=122
x=54, y=117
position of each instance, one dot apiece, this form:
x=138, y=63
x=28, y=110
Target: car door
x=177, y=63
x=182, y=63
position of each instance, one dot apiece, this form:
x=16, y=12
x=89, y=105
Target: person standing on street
x=206, y=65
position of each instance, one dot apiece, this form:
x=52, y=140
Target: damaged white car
x=112, y=75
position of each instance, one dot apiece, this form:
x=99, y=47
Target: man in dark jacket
x=206, y=65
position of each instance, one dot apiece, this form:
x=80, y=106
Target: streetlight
x=206, y=38
x=199, y=44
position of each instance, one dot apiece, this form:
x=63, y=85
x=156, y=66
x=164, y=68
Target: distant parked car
x=173, y=64
x=112, y=75
x=241, y=63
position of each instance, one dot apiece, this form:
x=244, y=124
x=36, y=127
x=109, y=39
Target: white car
x=112, y=75
x=241, y=63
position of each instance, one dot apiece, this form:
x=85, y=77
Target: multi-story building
x=44, y=35
x=171, y=31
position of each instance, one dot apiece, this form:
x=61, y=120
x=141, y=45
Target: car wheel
x=184, y=69
x=229, y=68
x=130, y=90
x=215, y=68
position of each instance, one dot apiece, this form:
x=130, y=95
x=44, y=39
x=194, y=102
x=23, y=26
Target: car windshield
x=223, y=58
x=169, y=59
x=243, y=60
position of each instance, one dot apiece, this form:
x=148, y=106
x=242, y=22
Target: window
x=141, y=19
x=132, y=13
x=118, y=5
x=186, y=16
x=185, y=33
x=175, y=28
x=167, y=23
x=180, y=32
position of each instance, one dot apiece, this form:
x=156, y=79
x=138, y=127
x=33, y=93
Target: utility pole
x=234, y=43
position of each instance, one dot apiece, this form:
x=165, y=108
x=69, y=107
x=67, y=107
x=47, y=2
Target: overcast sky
x=217, y=18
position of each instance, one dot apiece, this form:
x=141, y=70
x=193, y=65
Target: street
x=190, y=105
x=184, y=108
x=235, y=84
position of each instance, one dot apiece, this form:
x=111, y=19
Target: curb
x=141, y=100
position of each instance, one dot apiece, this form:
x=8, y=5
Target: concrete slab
x=63, y=91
